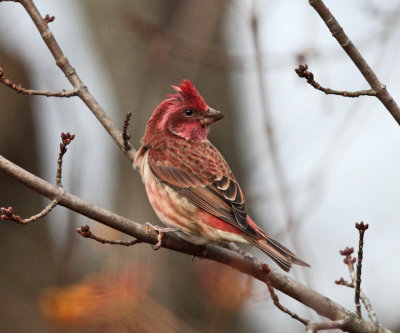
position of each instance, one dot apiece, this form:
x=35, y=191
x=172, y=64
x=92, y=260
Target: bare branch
x=255, y=268
x=64, y=64
x=309, y=76
x=85, y=232
x=21, y=90
x=338, y=33
x=321, y=304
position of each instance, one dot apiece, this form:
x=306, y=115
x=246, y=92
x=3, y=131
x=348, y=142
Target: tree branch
x=338, y=33
x=70, y=73
x=321, y=304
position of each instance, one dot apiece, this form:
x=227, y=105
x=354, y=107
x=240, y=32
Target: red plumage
x=189, y=183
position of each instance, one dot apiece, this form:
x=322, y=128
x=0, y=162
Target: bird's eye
x=189, y=112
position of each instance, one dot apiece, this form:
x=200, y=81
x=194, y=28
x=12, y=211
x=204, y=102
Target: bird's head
x=184, y=114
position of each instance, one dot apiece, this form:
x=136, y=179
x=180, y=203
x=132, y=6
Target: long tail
x=278, y=253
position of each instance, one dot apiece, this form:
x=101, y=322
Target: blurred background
x=310, y=165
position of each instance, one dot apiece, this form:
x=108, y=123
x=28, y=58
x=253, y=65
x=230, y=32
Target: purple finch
x=189, y=183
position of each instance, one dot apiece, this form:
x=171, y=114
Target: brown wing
x=205, y=179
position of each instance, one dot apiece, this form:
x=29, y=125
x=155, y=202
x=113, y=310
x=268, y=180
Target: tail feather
x=278, y=253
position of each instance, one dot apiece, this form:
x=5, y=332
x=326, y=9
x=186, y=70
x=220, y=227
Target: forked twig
x=8, y=213
x=356, y=278
x=338, y=33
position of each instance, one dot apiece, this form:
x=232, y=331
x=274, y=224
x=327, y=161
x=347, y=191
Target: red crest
x=188, y=94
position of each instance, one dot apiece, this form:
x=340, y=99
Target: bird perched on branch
x=189, y=183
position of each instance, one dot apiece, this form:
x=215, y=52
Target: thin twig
x=125, y=136
x=309, y=76
x=275, y=298
x=349, y=261
x=21, y=90
x=338, y=33
x=84, y=231
x=8, y=214
x=66, y=140
x=361, y=227
x=343, y=282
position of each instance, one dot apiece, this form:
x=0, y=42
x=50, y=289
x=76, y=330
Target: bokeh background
x=310, y=165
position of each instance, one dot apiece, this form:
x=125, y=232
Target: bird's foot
x=161, y=231
x=233, y=247
x=203, y=253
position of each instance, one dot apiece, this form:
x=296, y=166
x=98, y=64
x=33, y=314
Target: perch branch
x=279, y=281
x=309, y=76
x=321, y=304
x=338, y=33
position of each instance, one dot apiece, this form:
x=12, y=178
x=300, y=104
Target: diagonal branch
x=64, y=64
x=337, y=31
x=321, y=304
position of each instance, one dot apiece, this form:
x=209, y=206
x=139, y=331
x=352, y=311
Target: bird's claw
x=203, y=252
x=161, y=231
x=233, y=247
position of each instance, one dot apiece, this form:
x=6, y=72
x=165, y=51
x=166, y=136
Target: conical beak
x=211, y=116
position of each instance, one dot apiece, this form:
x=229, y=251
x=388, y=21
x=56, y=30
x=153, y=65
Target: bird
x=190, y=185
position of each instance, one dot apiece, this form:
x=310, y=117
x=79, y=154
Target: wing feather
x=213, y=189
